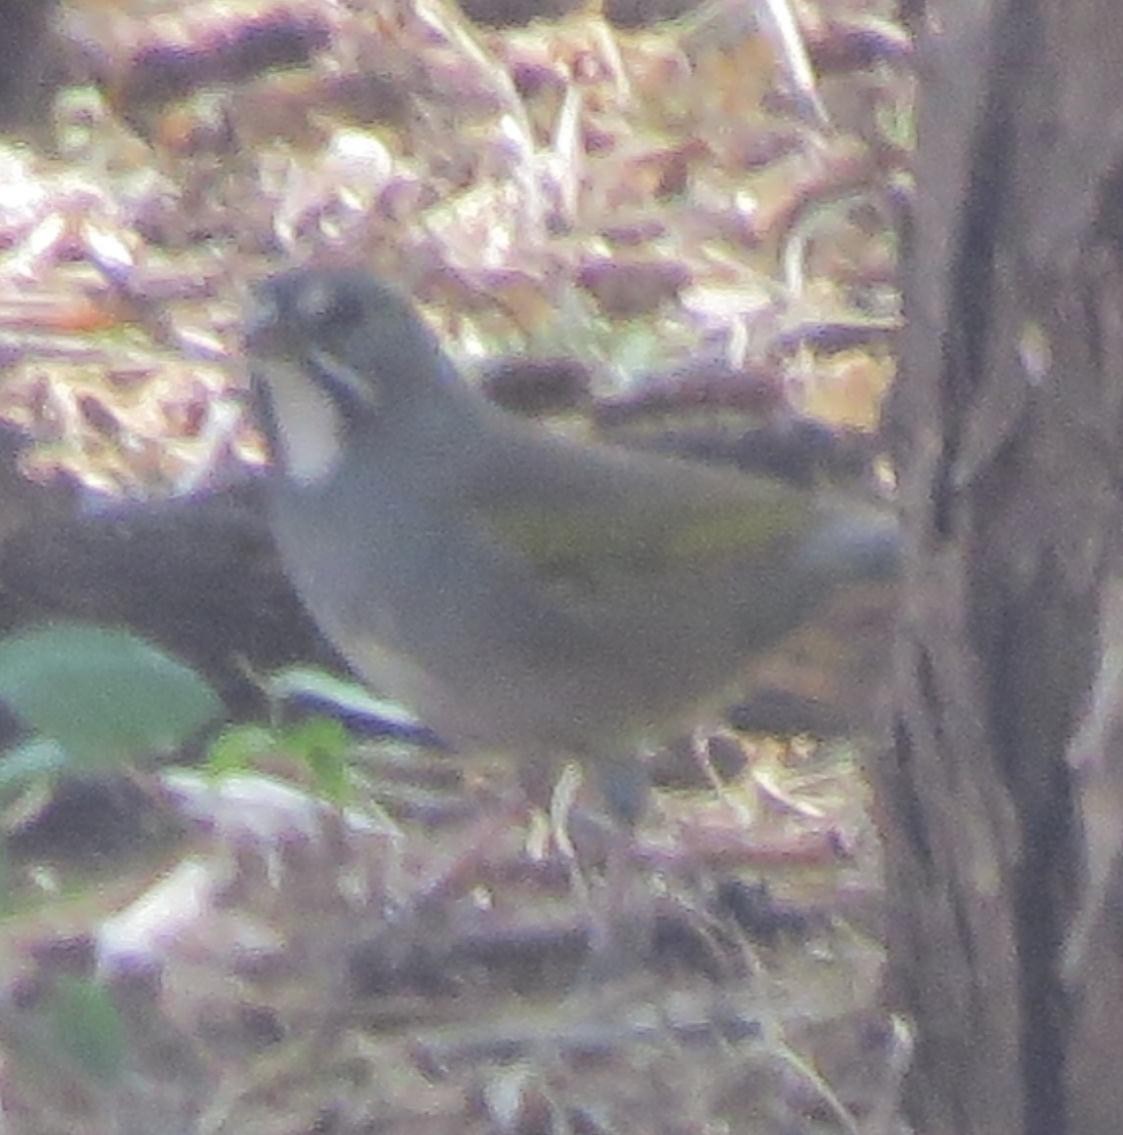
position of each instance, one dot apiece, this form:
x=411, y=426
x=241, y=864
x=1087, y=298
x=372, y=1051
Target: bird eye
x=317, y=303
x=325, y=304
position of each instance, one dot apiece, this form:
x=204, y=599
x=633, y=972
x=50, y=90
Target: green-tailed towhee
x=520, y=591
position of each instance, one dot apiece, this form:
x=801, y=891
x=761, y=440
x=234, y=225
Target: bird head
x=333, y=350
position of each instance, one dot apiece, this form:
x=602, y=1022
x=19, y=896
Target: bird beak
x=261, y=326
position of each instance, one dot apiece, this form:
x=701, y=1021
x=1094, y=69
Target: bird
x=554, y=598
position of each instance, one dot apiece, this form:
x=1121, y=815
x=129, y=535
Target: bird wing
x=592, y=517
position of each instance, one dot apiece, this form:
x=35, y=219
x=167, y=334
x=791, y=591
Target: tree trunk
x=1008, y=432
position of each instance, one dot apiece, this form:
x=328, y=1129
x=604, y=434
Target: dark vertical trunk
x=1007, y=427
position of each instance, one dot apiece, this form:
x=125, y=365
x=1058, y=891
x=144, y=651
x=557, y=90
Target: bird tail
x=853, y=544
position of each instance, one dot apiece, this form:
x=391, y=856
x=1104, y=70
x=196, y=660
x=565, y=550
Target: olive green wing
x=624, y=519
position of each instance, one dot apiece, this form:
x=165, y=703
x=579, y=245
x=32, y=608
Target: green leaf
x=323, y=745
x=105, y=696
x=34, y=760
x=236, y=748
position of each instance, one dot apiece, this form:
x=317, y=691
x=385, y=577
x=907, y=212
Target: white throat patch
x=308, y=423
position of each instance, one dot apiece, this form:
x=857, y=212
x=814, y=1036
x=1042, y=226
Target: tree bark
x=1007, y=424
